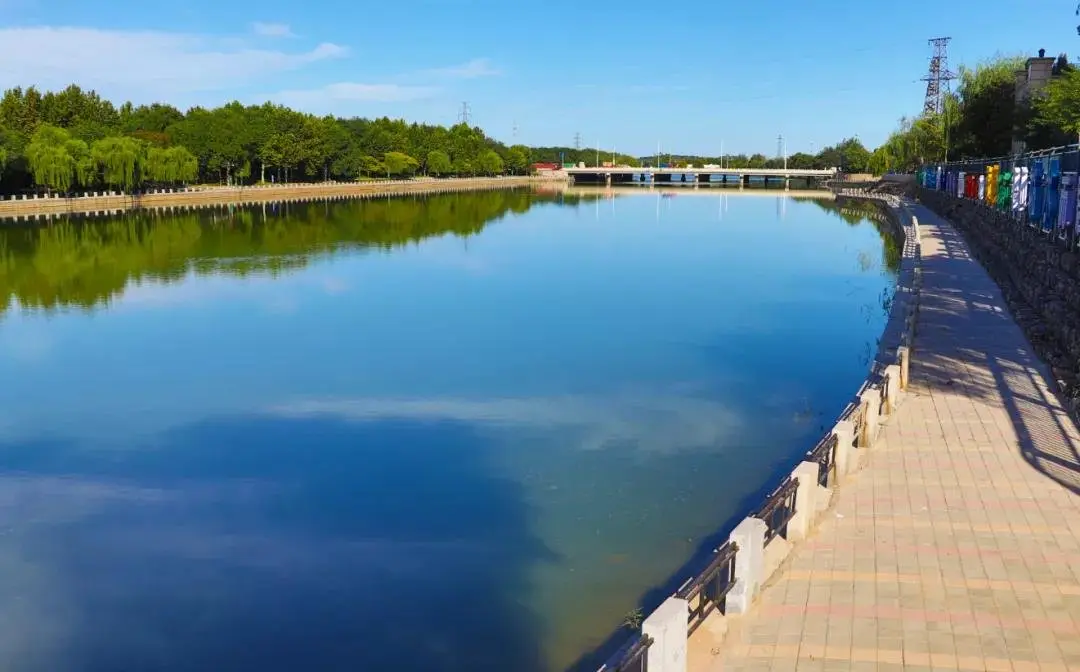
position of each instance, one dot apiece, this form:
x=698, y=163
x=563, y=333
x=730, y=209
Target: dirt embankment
x=109, y=202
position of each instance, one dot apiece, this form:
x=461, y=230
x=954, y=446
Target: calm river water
x=463, y=432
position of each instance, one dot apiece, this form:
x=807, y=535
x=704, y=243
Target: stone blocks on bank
x=892, y=396
x=805, y=506
x=668, y=628
x=846, y=461
x=870, y=399
x=749, y=536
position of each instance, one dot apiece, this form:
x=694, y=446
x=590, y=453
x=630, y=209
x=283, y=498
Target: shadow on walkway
x=968, y=344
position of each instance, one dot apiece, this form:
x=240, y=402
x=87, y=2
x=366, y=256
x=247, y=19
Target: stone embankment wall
x=757, y=549
x=112, y=202
x=1038, y=276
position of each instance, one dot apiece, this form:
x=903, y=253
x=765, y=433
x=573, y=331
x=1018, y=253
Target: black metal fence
x=633, y=657
x=1037, y=189
x=778, y=510
x=824, y=453
x=706, y=592
x=883, y=404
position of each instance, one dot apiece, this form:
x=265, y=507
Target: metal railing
x=705, y=593
x=883, y=404
x=856, y=414
x=779, y=508
x=1038, y=189
x=824, y=453
x=633, y=657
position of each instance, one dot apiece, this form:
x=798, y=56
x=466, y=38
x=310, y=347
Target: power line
x=465, y=115
x=938, y=78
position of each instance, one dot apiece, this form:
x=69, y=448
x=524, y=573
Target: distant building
x=1036, y=73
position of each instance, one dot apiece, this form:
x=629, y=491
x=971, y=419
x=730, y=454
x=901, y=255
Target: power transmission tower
x=938, y=78
x=515, y=130
x=577, y=140
x=465, y=114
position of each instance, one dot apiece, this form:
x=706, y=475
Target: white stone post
x=895, y=385
x=805, y=500
x=903, y=357
x=749, y=536
x=667, y=626
x=845, y=441
x=870, y=400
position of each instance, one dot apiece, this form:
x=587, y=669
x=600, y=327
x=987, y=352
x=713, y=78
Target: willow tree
x=3, y=160
x=49, y=158
x=174, y=165
x=119, y=159
x=86, y=169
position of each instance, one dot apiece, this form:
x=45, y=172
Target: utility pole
x=577, y=141
x=465, y=115
x=597, y=153
x=722, y=155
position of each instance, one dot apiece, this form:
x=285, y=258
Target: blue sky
x=626, y=74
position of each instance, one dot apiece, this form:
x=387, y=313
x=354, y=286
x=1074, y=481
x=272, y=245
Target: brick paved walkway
x=958, y=546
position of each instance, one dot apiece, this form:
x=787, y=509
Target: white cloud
x=653, y=423
x=478, y=67
x=140, y=64
x=272, y=29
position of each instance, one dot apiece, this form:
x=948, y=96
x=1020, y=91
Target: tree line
x=983, y=117
x=75, y=139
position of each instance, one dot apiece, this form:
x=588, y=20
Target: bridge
x=711, y=175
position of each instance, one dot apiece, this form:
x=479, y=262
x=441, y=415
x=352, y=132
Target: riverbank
x=689, y=628
x=194, y=197
x=949, y=549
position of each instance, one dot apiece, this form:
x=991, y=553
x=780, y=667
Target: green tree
x=119, y=159
x=50, y=160
x=397, y=163
x=438, y=162
x=491, y=163
x=517, y=159
x=1058, y=105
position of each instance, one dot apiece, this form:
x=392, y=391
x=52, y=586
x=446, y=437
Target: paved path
x=958, y=546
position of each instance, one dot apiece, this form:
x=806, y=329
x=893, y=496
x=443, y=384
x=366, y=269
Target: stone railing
x=36, y=207
x=757, y=547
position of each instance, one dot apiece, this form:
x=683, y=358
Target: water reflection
x=391, y=434
x=83, y=262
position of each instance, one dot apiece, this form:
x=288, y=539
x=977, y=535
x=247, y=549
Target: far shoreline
x=40, y=207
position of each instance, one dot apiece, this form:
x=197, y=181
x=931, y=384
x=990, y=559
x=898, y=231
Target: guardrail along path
x=957, y=546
